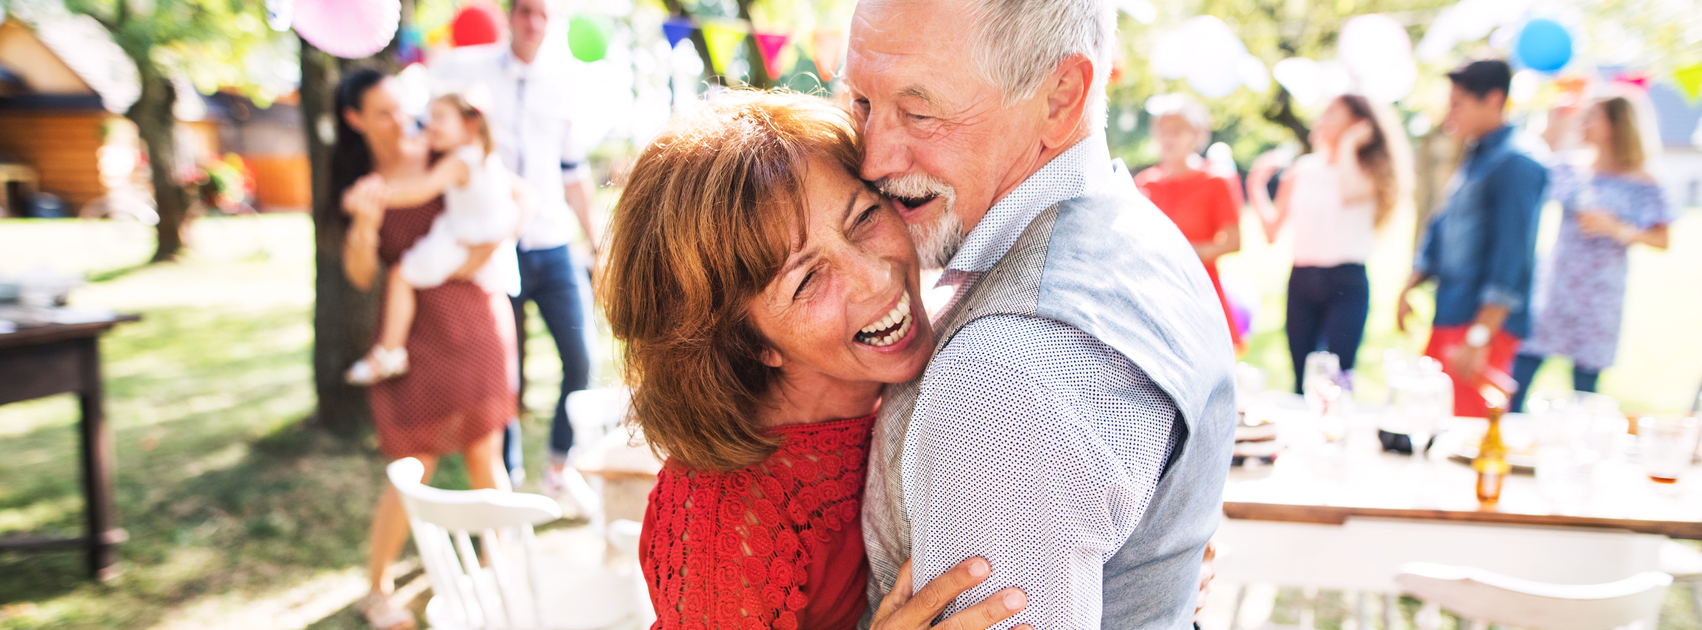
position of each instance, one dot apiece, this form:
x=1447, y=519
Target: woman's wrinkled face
x=846, y=302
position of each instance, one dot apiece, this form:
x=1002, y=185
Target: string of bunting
x=722, y=36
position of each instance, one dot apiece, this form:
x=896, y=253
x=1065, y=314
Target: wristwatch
x=1477, y=336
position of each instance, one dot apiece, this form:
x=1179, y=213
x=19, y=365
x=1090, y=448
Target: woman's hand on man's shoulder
x=902, y=611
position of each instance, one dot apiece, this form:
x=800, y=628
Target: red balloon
x=477, y=23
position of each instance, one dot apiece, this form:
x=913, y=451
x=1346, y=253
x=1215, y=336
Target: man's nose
x=884, y=153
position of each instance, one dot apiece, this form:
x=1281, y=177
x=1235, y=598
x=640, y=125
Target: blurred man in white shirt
x=530, y=123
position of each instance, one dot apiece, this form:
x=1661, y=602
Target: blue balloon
x=1544, y=45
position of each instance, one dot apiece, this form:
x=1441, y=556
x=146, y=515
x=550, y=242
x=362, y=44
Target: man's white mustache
x=917, y=185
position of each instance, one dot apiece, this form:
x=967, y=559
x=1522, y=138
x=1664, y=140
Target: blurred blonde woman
x=1606, y=209
x=1336, y=197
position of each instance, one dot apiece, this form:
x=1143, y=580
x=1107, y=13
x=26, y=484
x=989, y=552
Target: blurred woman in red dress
x=1203, y=204
x=460, y=393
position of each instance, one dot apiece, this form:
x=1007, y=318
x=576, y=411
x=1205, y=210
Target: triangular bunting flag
x=723, y=38
x=676, y=29
x=830, y=49
x=770, y=44
x=1689, y=79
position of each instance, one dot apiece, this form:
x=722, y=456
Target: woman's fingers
x=898, y=612
x=895, y=598
x=999, y=607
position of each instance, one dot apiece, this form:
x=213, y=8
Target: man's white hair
x=1016, y=44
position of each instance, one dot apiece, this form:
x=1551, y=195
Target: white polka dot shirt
x=1032, y=444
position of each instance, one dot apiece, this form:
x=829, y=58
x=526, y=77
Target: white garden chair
x=505, y=584
x=1485, y=598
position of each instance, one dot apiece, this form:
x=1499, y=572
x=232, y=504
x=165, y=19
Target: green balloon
x=587, y=37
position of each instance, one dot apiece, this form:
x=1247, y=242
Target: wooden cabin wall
x=62, y=146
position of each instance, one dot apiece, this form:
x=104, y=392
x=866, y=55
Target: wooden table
x=53, y=359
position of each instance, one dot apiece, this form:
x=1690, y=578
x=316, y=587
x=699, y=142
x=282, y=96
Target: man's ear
x=771, y=358
x=1065, y=94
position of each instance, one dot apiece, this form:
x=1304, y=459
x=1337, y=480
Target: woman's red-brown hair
x=711, y=211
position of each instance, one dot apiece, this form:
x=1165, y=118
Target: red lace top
x=776, y=545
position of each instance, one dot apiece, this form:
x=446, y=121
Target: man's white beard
x=937, y=241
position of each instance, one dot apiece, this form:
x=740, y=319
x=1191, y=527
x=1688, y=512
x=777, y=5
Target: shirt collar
x=513, y=65
x=1491, y=139
x=1083, y=168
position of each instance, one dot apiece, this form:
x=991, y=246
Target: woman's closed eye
x=867, y=216
x=802, y=284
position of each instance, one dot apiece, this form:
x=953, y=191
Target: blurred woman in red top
x=1202, y=203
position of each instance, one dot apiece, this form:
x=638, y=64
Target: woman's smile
x=892, y=328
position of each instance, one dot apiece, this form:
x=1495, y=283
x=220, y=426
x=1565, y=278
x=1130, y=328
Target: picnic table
x=1346, y=517
x=58, y=358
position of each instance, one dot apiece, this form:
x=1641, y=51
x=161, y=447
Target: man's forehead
x=907, y=27
x=895, y=43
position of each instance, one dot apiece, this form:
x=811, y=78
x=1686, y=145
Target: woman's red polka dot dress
x=461, y=352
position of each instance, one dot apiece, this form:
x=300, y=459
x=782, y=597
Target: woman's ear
x=350, y=117
x=771, y=358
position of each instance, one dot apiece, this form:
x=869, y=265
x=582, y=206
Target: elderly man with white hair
x=1074, y=426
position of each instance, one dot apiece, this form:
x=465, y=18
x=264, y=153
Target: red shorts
x=1446, y=340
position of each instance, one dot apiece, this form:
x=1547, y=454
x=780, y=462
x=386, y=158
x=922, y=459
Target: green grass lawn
x=239, y=516
x=229, y=500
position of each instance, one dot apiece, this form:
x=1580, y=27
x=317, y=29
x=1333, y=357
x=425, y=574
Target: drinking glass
x=1564, y=473
x=1249, y=383
x=1430, y=403
x=1323, y=386
x=1665, y=445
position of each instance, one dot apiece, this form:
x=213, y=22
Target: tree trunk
x=1282, y=112
x=343, y=316
x=157, y=127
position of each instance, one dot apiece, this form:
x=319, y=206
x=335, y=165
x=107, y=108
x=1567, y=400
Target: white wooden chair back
x=596, y=412
x=495, y=589
x=1485, y=597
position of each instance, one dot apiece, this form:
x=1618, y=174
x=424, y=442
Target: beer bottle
x=1491, y=461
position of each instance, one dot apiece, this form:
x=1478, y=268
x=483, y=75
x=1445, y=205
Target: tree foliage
x=206, y=42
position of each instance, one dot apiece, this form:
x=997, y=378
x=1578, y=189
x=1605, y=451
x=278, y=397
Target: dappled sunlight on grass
x=234, y=507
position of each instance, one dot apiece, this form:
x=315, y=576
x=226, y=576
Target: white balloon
x=1253, y=74
x=1299, y=76
x=1212, y=84
x=1142, y=10
x=1333, y=80
x=1171, y=55
x=1378, y=54
x=1371, y=43
x=1389, y=85
x=1215, y=67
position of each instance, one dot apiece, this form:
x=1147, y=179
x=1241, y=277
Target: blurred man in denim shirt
x=1481, y=246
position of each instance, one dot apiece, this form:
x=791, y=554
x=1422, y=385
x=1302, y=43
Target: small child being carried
x=480, y=210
